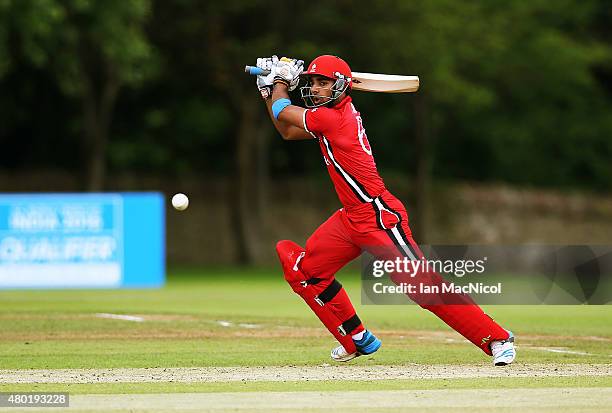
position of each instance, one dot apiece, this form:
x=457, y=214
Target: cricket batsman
x=370, y=219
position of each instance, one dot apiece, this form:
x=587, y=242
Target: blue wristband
x=279, y=105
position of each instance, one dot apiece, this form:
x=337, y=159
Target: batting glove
x=264, y=83
x=288, y=71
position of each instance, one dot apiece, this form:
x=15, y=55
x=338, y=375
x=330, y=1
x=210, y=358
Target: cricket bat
x=368, y=82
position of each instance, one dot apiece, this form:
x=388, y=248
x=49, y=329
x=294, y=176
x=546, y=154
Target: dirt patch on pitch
x=297, y=373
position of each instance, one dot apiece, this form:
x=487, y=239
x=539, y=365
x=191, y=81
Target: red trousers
x=380, y=227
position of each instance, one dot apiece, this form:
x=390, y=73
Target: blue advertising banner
x=107, y=240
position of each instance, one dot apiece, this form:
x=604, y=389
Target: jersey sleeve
x=320, y=120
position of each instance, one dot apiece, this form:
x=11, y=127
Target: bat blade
x=375, y=82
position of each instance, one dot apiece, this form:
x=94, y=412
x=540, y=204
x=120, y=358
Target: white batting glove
x=298, y=68
x=288, y=71
x=264, y=83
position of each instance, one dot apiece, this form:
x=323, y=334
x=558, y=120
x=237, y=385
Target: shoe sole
x=347, y=358
x=502, y=363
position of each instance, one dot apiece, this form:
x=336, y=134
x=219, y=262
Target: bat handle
x=256, y=71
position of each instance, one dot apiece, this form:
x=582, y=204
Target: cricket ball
x=180, y=202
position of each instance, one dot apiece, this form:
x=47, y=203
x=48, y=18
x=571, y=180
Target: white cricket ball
x=180, y=202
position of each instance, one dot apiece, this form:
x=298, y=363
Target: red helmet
x=332, y=67
x=329, y=66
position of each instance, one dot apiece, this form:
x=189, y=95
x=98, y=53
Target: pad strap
x=349, y=325
x=329, y=293
x=311, y=281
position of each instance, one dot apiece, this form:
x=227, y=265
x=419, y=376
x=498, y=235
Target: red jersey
x=346, y=151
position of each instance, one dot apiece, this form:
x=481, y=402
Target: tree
x=502, y=85
x=93, y=48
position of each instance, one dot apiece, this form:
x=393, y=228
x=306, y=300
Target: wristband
x=279, y=105
x=280, y=80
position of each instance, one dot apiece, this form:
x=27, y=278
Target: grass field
x=251, y=320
